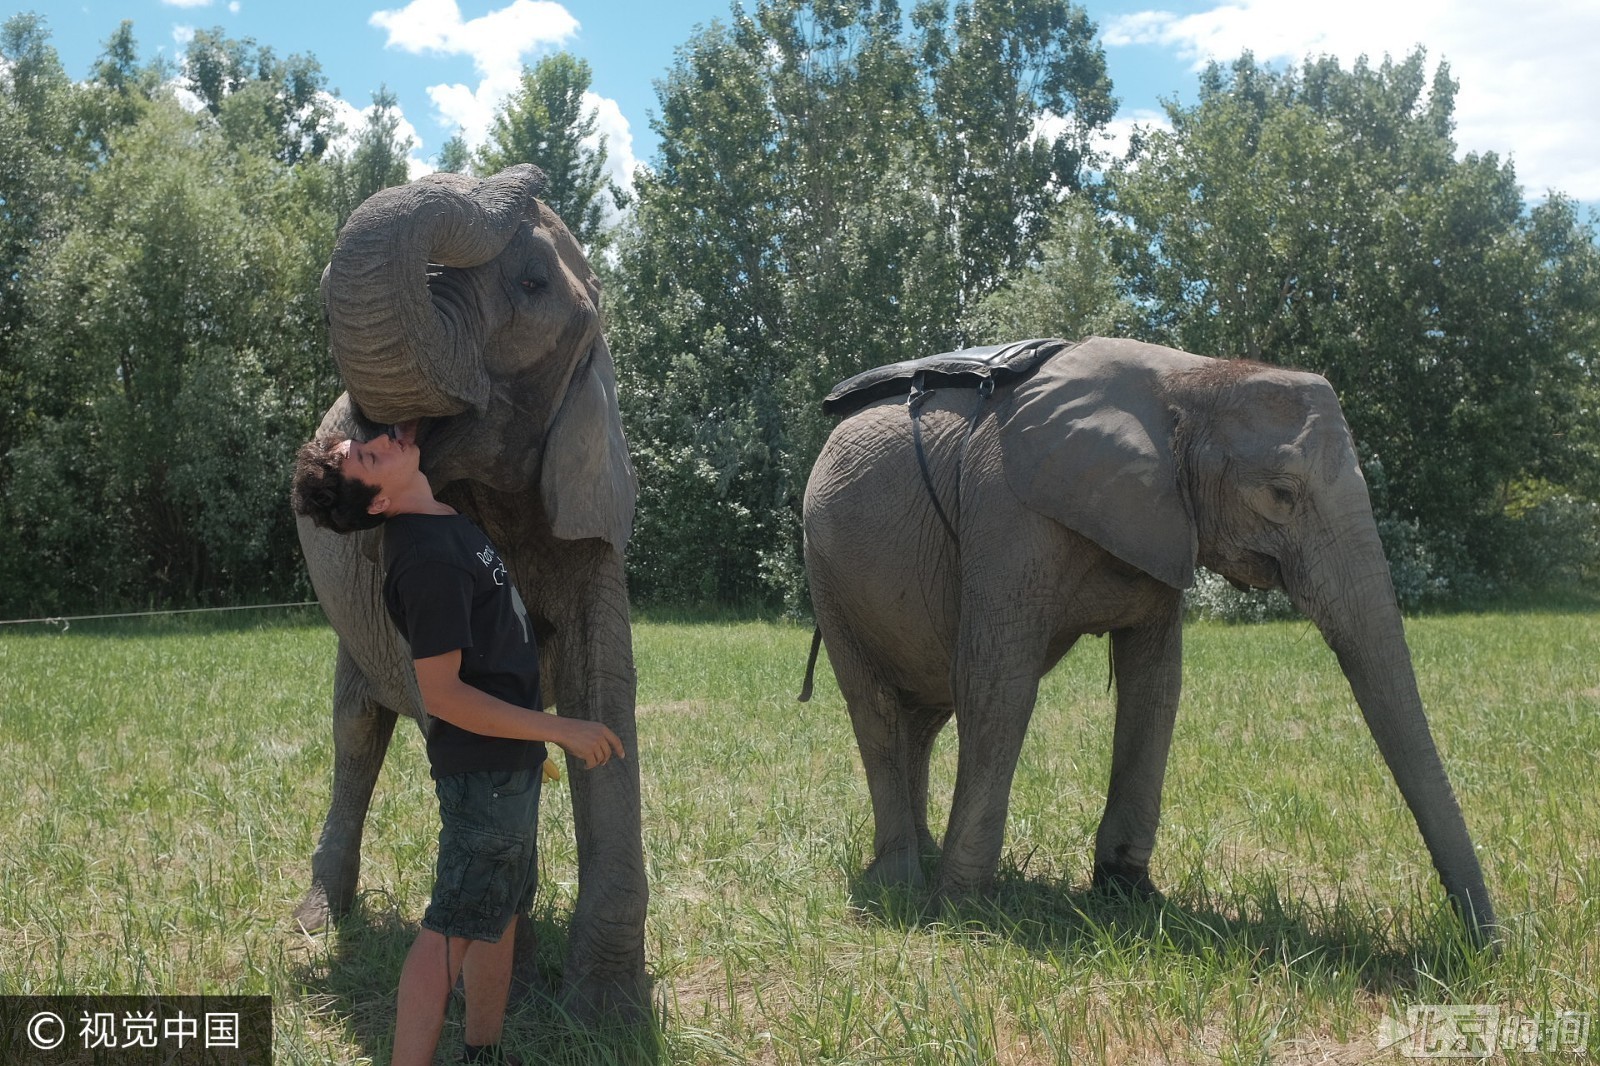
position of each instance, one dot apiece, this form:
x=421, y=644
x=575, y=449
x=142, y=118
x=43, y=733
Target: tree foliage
x=548, y=122
x=839, y=184
x=835, y=185
x=165, y=337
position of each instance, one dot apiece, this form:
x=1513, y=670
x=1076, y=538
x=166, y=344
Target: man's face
x=387, y=464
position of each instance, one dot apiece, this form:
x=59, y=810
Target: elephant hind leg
x=923, y=725
x=889, y=744
x=362, y=729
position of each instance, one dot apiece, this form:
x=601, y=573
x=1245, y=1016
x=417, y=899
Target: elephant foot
x=1126, y=881
x=321, y=908
x=597, y=999
x=902, y=866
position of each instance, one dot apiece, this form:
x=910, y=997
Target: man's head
x=346, y=485
x=325, y=492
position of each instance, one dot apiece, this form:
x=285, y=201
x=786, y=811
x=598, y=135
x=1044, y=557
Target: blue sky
x=1530, y=82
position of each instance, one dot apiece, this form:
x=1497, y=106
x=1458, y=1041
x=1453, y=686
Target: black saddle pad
x=966, y=369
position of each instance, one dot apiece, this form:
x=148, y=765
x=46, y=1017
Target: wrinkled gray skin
x=1086, y=497
x=468, y=305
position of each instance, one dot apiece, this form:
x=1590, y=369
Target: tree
x=1073, y=289
x=379, y=159
x=40, y=173
x=454, y=156
x=547, y=123
x=804, y=160
x=1320, y=218
x=261, y=103
x=1019, y=88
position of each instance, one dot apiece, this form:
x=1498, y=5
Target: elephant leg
x=594, y=679
x=362, y=729
x=923, y=726
x=996, y=687
x=880, y=722
x=1149, y=670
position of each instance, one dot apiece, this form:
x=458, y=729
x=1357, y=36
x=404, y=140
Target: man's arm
x=446, y=696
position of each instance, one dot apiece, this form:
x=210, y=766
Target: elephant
x=466, y=306
x=956, y=554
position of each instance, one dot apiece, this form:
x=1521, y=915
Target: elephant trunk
x=405, y=349
x=1345, y=588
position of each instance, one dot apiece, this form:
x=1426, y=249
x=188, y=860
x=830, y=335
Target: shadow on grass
x=354, y=983
x=1257, y=928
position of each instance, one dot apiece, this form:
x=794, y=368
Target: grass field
x=164, y=782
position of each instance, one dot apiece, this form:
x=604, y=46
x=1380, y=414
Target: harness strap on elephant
x=914, y=403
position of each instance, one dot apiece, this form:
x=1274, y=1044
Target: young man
x=477, y=666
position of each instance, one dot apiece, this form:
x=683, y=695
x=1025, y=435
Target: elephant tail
x=811, y=665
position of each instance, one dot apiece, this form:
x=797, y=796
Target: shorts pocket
x=478, y=878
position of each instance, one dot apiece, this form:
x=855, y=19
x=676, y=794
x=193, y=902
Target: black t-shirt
x=446, y=587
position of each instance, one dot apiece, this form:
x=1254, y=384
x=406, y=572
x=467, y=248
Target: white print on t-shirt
x=488, y=558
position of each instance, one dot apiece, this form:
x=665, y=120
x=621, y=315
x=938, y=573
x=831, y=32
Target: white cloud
x=186, y=3
x=234, y=6
x=1528, y=77
x=613, y=126
x=182, y=35
x=499, y=44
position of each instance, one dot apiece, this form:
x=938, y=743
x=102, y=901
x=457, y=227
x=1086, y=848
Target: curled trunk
x=404, y=350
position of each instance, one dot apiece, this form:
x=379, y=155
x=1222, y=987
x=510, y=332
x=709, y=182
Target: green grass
x=165, y=781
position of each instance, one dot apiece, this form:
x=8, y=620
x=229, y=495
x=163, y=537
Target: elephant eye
x=532, y=285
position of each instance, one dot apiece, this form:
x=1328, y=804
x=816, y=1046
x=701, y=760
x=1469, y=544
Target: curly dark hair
x=323, y=494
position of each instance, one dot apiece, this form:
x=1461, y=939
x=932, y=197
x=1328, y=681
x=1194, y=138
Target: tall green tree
x=1019, y=89
x=378, y=159
x=41, y=171
x=1320, y=217
x=803, y=160
x=170, y=362
x=261, y=103
x=546, y=122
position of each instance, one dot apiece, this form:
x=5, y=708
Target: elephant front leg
x=594, y=679
x=362, y=729
x=1149, y=671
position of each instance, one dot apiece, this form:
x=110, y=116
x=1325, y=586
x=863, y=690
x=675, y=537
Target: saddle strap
x=914, y=402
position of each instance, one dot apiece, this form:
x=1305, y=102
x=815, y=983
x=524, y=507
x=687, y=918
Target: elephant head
x=467, y=306
x=1167, y=459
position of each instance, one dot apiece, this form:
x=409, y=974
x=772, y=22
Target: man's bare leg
x=430, y=971
x=488, y=985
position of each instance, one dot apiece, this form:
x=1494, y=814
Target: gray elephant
x=468, y=305
x=956, y=552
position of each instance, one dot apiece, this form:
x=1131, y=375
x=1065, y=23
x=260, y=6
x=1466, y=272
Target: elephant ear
x=586, y=482
x=1087, y=441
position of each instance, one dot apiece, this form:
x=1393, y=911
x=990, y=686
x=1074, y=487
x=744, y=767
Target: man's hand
x=591, y=743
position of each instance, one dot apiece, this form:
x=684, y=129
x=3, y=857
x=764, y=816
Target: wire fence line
x=65, y=621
